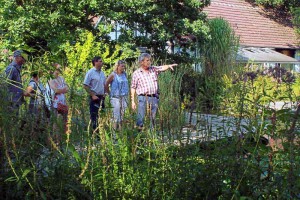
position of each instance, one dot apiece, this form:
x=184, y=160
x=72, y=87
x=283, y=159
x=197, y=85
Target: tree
x=287, y=5
x=159, y=22
x=296, y=20
x=46, y=25
x=285, y=9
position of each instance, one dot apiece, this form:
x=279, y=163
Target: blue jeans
x=143, y=103
x=94, y=109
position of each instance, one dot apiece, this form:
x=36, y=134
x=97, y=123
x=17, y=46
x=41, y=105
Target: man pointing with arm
x=145, y=84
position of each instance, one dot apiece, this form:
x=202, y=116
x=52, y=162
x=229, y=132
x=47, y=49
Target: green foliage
x=256, y=92
x=159, y=22
x=289, y=4
x=296, y=19
x=218, y=57
x=210, y=94
x=128, y=164
x=249, y=99
x=41, y=26
x=80, y=55
x=219, y=52
x=170, y=110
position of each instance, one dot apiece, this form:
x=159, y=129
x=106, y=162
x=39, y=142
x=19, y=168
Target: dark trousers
x=14, y=108
x=94, y=110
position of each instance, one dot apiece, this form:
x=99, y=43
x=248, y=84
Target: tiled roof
x=252, y=25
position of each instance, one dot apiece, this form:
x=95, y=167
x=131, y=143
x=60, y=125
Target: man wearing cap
x=13, y=74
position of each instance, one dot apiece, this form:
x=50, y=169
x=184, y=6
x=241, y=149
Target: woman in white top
x=60, y=88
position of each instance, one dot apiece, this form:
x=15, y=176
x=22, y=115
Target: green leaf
x=75, y=154
x=25, y=172
x=11, y=179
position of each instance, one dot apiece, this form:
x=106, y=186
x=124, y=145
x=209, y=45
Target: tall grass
x=129, y=164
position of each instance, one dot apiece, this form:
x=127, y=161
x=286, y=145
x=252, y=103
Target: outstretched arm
x=166, y=67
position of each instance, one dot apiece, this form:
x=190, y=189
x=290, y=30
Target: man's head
x=97, y=62
x=20, y=57
x=145, y=60
x=34, y=74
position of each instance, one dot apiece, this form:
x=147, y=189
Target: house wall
x=287, y=52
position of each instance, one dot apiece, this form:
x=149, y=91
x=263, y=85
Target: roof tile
x=252, y=26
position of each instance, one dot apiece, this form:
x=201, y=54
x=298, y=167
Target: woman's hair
x=119, y=62
x=143, y=56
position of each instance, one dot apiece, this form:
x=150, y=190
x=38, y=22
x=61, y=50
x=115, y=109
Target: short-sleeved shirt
x=95, y=79
x=145, y=83
x=15, y=86
x=61, y=97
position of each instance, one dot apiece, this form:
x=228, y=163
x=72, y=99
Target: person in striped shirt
x=144, y=84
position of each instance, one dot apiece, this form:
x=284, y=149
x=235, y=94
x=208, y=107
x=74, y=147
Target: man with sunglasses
x=94, y=82
x=16, y=92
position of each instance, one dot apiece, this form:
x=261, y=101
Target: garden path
x=209, y=127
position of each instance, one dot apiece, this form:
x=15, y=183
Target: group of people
x=144, y=85
x=37, y=92
x=38, y=107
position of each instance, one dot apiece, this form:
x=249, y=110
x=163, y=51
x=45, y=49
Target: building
x=265, y=39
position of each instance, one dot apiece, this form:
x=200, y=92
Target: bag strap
x=38, y=85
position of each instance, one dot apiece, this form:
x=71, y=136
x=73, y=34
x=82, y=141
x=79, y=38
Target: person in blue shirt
x=118, y=92
x=93, y=83
x=13, y=75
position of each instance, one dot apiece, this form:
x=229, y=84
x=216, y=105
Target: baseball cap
x=20, y=53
